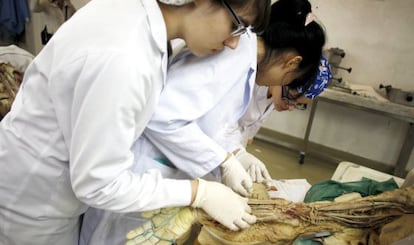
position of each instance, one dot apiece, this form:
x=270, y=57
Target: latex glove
x=235, y=176
x=223, y=205
x=256, y=168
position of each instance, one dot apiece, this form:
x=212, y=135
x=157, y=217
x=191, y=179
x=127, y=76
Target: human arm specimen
x=281, y=222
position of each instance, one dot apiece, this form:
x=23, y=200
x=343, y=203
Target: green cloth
x=329, y=190
x=165, y=161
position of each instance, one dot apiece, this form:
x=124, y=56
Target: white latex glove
x=175, y=2
x=235, y=176
x=256, y=168
x=223, y=205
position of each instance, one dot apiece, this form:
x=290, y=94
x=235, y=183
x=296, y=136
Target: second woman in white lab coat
x=85, y=99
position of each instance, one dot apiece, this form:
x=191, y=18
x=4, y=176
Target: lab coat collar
x=248, y=43
x=158, y=31
x=157, y=24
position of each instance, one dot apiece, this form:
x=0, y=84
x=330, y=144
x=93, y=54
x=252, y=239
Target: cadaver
x=279, y=221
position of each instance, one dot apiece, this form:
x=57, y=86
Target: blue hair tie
x=323, y=78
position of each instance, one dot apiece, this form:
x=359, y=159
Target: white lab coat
x=201, y=96
x=213, y=93
x=102, y=227
x=84, y=101
x=260, y=108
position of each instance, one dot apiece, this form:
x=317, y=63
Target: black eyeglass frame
x=241, y=28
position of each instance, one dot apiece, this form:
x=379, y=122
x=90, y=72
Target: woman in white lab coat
x=85, y=99
x=201, y=90
x=280, y=98
x=185, y=138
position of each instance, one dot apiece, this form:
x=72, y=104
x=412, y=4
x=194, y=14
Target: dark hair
x=260, y=9
x=287, y=32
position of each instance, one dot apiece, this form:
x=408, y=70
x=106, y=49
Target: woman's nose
x=232, y=42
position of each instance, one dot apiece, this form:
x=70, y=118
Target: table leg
x=307, y=133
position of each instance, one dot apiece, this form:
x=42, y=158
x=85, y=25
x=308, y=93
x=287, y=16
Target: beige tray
x=348, y=171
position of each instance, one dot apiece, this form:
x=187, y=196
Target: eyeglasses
x=240, y=27
x=290, y=99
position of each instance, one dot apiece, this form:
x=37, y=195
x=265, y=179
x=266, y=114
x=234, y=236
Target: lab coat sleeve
x=238, y=134
x=188, y=148
x=112, y=102
x=192, y=90
x=233, y=137
x=249, y=124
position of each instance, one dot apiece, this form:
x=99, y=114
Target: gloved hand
x=256, y=168
x=223, y=205
x=234, y=176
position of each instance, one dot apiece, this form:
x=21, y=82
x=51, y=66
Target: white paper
x=290, y=189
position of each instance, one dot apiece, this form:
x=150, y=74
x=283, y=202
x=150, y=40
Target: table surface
x=378, y=106
x=387, y=108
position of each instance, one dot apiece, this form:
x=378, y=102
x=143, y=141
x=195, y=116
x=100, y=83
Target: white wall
x=377, y=38
x=33, y=28
x=44, y=15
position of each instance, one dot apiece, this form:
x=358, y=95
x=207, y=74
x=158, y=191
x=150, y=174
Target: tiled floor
x=283, y=163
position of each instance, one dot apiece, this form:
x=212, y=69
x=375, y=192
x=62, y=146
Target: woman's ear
x=294, y=62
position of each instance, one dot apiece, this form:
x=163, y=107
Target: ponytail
x=292, y=28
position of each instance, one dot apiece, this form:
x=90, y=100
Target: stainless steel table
x=385, y=108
